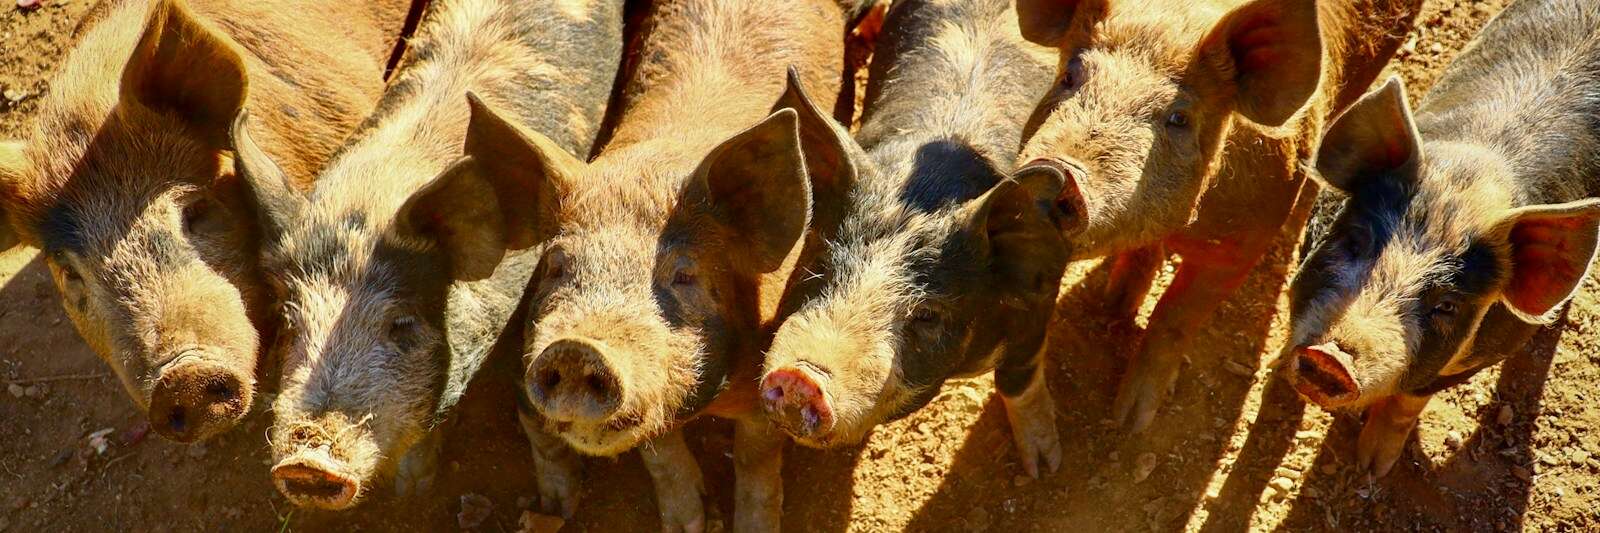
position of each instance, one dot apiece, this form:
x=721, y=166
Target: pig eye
x=924, y=315
x=1444, y=309
x=1072, y=79
x=1178, y=119
x=68, y=272
x=196, y=215
x=403, y=328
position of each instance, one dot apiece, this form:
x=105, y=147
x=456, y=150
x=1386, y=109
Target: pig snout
x=793, y=398
x=1070, y=202
x=1322, y=374
x=312, y=482
x=195, y=398
x=572, y=381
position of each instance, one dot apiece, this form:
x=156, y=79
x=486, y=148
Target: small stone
x=28, y=5
x=98, y=442
x=1236, y=368
x=1286, y=472
x=17, y=391
x=532, y=522
x=1522, y=474
x=1580, y=457
x=1143, y=465
x=1437, y=48
x=1506, y=415
x=1452, y=440
x=1282, y=484
x=35, y=391
x=14, y=95
x=475, y=509
x=1021, y=480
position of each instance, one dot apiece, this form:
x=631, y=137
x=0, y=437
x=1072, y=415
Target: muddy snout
x=573, y=381
x=1322, y=374
x=794, y=400
x=195, y=398
x=311, y=480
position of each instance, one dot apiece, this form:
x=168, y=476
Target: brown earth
x=1234, y=450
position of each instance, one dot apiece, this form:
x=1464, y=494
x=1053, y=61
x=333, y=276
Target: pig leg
x=419, y=467
x=556, y=465
x=1185, y=308
x=1383, y=437
x=1132, y=274
x=678, y=483
x=758, y=475
x=1030, y=408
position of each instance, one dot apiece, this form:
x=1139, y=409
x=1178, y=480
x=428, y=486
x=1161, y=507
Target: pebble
x=28, y=5
x=15, y=95
x=1237, y=368
x=1522, y=473
x=1022, y=480
x=1452, y=440
x=1580, y=457
x=1143, y=465
x=475, y=509
x=532, y=522
x=1506, y=415
x=16, y=390
x=1437, y=48
x=1281, y=484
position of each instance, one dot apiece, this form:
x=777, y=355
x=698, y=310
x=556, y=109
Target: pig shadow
x=1447, y=494
x=1109, y=479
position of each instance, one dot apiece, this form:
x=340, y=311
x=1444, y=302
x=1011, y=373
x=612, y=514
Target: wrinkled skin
x=392, y=276
x=125, y=187
x=1187, y=129
x=1456, y=238
x=938, y=265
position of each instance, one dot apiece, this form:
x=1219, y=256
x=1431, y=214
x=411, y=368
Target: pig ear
x=1375, y=138
x=1020, y=229
x=756, y=185
x=183, y=67
x=269, y=194
x=1271, y=50
x=502, y=196
x=1551, y=249
x=830, y=153
x=11, y=163
x=1047, y=22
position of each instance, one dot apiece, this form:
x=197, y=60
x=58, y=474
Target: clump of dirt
x=1234, y=449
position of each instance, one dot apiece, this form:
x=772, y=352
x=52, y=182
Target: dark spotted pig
x=1467, y=225
x=940, y=266
x=391, y=278
x=124, y=183
x=666, y=254
x=1187, y=129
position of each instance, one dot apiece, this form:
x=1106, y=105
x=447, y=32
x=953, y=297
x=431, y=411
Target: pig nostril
x=599, y=386
x=550, y=380
x=220, y=390
x=177, y=420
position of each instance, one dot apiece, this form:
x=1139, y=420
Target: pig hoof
x=417, y=471
x=1142, y=392
x=1033, y=428
x=558, y=494
x=683, y=516
x=1380, y=447
x=795, y=401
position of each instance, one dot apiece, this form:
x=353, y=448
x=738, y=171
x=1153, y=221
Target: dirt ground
x=1234, y=450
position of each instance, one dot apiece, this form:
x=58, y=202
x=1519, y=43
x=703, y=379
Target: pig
x=125, y=185
x=391, y=274
x=664, y=256
x=1188, y=130
x=1465, y=226
x=940, y=264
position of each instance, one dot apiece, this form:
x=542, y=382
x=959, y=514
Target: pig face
x=140, y=221
x=646, y=291
x=1428, y=241
x=374, y=308
x=907, y=295
x=1146, y=93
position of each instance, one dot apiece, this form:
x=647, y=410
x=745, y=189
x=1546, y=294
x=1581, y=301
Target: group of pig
x=655, y=206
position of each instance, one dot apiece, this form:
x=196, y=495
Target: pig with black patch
x=391, y=277
x=1468, y=224
x=935, y=264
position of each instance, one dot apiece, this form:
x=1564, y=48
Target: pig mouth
x=312, y=481
x=1323, y=380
